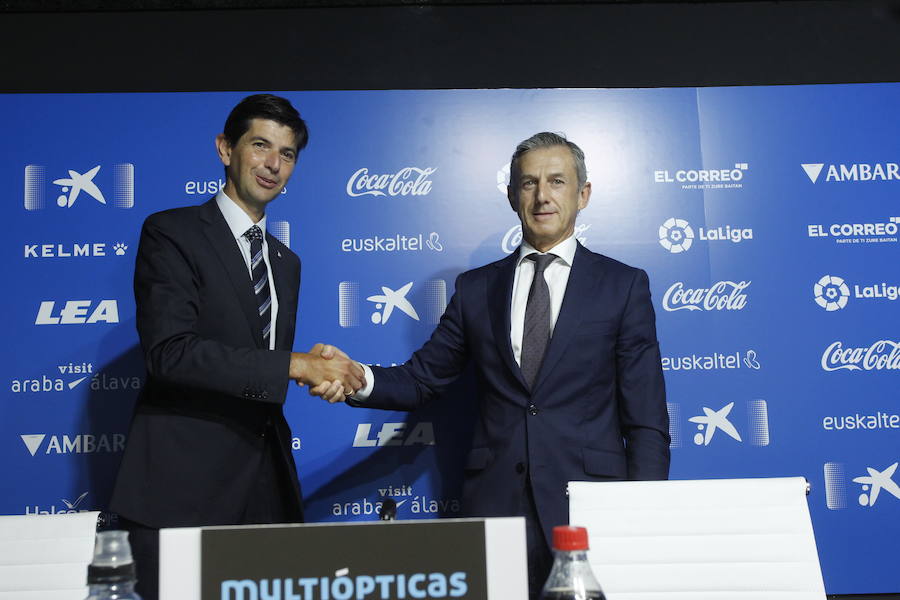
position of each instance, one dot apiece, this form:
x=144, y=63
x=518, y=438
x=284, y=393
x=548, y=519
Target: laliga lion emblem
x=831, y=293
x=676, y=235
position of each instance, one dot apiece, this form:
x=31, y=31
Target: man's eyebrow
x=530, y=176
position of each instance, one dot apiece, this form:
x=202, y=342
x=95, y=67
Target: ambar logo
x=889, y=171
x=81, y=443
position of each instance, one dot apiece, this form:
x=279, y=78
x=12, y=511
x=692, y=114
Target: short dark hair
x=265, y=106
x=546, y=139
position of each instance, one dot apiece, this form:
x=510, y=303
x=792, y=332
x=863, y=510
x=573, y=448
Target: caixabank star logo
x=68, y=188
x=872, y=481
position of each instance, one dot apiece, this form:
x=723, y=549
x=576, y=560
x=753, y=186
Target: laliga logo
x=676, y=235
x=409, y=181
x=723, y=295
x=512, y=239
x=831, y=293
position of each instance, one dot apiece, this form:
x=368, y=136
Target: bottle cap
x=112, y=558
x=568, y=538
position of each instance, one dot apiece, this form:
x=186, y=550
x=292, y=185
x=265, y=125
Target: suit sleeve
x=430, y=369
x=641, y=391
x=167, y=297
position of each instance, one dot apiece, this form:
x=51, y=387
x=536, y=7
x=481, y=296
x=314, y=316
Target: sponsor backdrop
x=766, y=217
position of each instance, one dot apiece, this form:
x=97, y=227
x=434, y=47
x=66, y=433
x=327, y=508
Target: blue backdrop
x=766, y=217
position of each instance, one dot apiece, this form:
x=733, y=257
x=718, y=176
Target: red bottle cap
x=570, y=538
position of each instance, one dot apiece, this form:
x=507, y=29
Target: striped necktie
x=259, y=275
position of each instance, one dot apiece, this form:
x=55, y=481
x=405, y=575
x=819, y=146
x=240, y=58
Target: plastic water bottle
x=571, y=577
x=111, y=574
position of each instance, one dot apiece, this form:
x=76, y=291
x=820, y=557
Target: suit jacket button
x=520, y=468
x=532, y=409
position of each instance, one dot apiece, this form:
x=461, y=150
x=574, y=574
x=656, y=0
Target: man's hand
x=329, y=372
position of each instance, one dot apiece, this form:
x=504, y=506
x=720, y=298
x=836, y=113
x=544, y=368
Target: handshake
x=328, y=372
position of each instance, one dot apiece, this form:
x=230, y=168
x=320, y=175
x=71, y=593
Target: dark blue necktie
x=259, y=275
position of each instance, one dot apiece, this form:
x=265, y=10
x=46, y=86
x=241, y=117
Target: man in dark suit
x=216, y=300
x=567, y=363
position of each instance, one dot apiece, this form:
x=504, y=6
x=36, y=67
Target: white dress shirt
x=557, y=276
x=239, y=222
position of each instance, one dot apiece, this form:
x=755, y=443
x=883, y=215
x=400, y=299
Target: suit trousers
x=540, y=558
x=273, y=501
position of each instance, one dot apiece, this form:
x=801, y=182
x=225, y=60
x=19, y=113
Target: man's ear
x=223, y=148
x=584, y=196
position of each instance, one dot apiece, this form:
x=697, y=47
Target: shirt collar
x=238, y=221
x=565, y=250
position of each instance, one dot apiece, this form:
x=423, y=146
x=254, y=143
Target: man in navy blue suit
x=568, y=364
x=216, y=298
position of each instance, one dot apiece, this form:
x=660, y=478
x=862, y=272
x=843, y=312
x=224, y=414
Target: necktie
x=536, y=333
x=259, y=275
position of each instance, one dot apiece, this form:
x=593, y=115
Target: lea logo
x=394, y=434
x=76, y=312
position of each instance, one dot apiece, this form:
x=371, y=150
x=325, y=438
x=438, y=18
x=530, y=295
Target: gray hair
x=545, y=139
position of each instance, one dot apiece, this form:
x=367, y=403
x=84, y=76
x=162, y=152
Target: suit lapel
x=224, y=245
x=501, y=288
x=582, y=279
x=280, y=279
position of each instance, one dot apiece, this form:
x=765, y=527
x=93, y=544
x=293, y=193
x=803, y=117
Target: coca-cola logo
x=724, y=295
x=883, y=355
x=512, y=239
x=408, y=181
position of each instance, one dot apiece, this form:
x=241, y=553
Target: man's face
x=259, y=165
x=546, y=197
